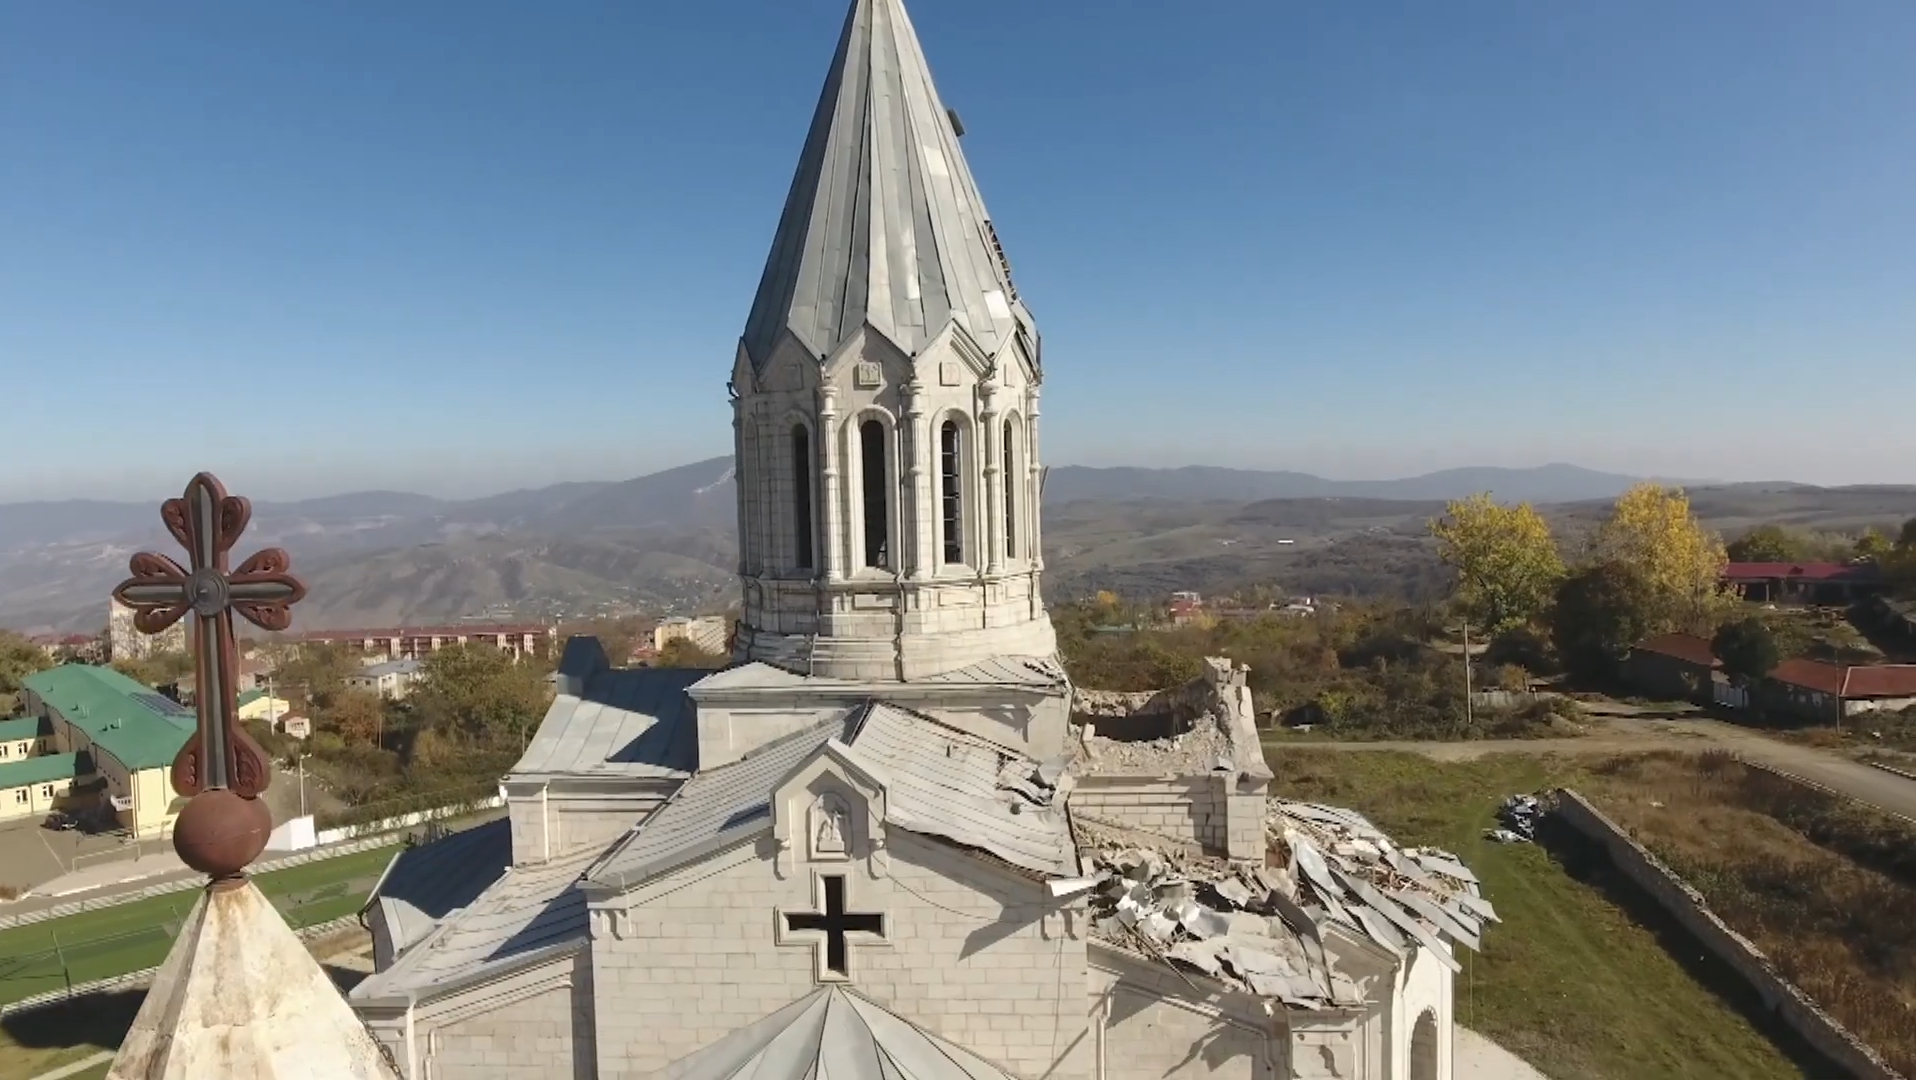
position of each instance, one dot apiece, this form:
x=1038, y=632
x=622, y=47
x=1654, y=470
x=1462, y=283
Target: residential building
x=36, y=786
x=126, y=734
x=1674, y=667
x=708, y=632
x=23, y=737
x=124, y=642
x=260, y=705
x=843, y=853
x=1823, y=692
x=391, y=679
x=415, y=642
x=296, y=726
x=1804, y=583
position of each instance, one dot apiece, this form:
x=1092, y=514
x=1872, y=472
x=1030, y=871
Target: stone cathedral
x=879, y=844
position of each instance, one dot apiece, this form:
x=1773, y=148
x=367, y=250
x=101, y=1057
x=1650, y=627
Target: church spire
x=883, y=224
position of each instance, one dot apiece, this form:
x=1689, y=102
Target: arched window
x=952, y=548
x=873, y=491
x=802, y=498
x=1425, y=1051
x=1008, y=485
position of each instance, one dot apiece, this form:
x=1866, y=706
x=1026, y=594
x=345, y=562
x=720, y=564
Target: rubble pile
x=1355, y=874
x=1211, y=719
x=1261, y=929
x=1518, y=816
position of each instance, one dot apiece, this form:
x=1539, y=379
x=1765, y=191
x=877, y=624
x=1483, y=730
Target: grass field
x=51, y=955
x=1578, y=977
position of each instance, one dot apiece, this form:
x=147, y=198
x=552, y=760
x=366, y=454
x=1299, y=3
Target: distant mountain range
x=665, y=541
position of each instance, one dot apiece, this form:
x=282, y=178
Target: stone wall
x=532, y=1025
x=1150, y=1024
x=1848, y=1054
x=1182, y=807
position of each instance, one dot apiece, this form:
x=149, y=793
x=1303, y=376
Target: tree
x=1505, y=557
x=19, y=658
x=1897, y=565
x=1873, y=544
x=1653, y=530
x=480, y=692
x=1746, y=649
x=1767, y=543
x=354, y=715
x=155, y=669
x=1600, y=613
x=683, y=653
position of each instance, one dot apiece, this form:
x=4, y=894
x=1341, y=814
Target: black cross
x=837, y=923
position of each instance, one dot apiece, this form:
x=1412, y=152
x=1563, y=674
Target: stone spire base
x=240, y=996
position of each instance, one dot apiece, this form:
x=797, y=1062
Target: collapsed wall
x=1184, y=762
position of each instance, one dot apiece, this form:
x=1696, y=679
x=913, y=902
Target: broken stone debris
x=1518, y=816
x=1212, y=719
x=1260, y=929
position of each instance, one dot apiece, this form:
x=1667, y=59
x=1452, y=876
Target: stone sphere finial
x=220, y=832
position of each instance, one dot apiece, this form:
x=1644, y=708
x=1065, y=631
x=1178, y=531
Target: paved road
x=1873, y=786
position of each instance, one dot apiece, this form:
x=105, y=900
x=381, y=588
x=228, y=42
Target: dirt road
x=1863, y=782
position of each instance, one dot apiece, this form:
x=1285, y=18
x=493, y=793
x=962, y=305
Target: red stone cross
x=207, y=522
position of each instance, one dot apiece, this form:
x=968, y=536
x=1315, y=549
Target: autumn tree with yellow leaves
x=1505, y=556
x=1652, y=529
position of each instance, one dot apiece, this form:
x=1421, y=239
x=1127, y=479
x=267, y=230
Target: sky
x=464, y=246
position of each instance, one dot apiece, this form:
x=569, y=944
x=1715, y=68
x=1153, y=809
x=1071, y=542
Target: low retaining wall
x=418, y=817
x=1787, y=1001
x=143, y=976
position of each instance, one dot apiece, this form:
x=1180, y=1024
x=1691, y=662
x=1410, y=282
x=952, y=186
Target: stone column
x=740, y=491
x=1033, y=478
x=913, y=554
x=826, y=432
x=995, y=510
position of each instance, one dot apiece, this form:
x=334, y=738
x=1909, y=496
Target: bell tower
x=886, y=396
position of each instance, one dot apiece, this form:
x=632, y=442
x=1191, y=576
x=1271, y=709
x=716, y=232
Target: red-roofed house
x=1803, y=583
x=1821, y=691
x=1673, y=666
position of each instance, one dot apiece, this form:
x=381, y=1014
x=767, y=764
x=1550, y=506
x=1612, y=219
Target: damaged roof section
x=1261, y=930
x=945, y=783
x=1203, y=727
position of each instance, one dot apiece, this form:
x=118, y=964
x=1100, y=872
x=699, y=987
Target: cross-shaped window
x=836, y=922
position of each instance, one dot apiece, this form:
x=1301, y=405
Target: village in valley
x=1612, y=786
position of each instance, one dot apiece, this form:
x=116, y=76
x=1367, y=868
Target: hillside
x=665, y=542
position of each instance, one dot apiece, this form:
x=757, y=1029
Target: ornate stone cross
x=834, y=923
x=221, y=768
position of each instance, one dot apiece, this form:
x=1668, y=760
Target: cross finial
x=224, y=771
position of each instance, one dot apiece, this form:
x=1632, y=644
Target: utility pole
x=1466, y=659
x=301, y=762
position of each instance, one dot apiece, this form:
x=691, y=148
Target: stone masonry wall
x=1848, y=1054
x=1185, y=807
x=1149, y=1025
x=539, y=1026
x=972, y=957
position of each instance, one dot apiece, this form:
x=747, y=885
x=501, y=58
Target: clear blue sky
x=460, y=247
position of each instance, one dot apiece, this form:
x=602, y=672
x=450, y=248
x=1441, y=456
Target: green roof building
x=129, y=732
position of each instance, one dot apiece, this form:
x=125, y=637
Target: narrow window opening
x=802, y=498
x=873, y=491
x=1007, y=485
x=951, y=547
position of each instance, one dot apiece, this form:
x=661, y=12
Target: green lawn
x=1569, y=979
x=47, y=956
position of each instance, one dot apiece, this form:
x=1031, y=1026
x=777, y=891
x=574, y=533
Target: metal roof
x=833, y=1034
x=24, y=727
x=427, y=882
x=526, y=915
x=883, y=224
x=1026, y=672
x=1687, y=647
x=758, y=675
x=138, y=727
x=945, y=783
x=25, y=772
x=711, y=812
x=635, y=723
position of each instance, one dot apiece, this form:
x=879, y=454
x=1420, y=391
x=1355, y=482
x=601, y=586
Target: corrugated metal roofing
x=427, y=882
x=1868, y=681
x=1034, y=672
x=24, y=727
x=628, y=723
x=833, y=1034
x=712, y=811
x=527, y=912
x=127, y=719
x=1694, y=650
x=943, y=782
x=882, y=224
x=758, y=675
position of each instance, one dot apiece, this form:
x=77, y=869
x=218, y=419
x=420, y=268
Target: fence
x=1849, y=1056
x=392, y=824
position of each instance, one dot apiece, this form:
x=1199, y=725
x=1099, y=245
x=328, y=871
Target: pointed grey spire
x=883, y=223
